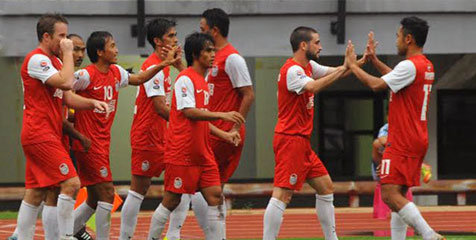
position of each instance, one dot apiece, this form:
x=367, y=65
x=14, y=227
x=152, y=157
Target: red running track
x=303, y=223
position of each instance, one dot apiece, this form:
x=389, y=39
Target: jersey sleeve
x=124, y=77
x=40, y=67
x=401, y=76
x=81, y=80
x=155, y=86
x=184, y=93
x=235, y=67
x=318, y=70
x=296, y=79
x=383, y=131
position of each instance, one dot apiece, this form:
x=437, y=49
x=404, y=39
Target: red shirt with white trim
x=188, y=140
x=228, y=73
x=410, y=83
x=296, y=106
x=148, y=128
x=42, y=109
x=91, y=83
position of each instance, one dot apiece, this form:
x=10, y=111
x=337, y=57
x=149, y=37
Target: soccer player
x=151, y=113
x=101, y=80
x=78, y=50
x=189, y=162
x=299, y=79
x=230, y=90
x=410, y=84
x=46, y=82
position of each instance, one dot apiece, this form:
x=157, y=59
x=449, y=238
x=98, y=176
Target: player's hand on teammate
x=101, y=106
x=172, y=55
x=66, y=45
x=232, y=116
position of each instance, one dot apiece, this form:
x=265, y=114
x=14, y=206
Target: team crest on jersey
x=293, y=179
x=145, y=165
x=117, y=84
x=103, y=172
x=64, y=169
x=214, y=70
x=177, y=182
x=44, y=66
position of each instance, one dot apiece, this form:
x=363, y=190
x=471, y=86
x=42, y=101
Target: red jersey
x=188, y=140
x=228, y=73
x=296, y=106
x=91, y=83
x=148, y=128
x=407, y=118
x=42, y=109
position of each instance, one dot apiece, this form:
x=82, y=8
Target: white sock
x=200, y=209
x=26, y=220
x=273, y=217
x=222, y=209
x=129, y=212
x=103, y=220
x=65, y=208
x=49, y=217
x=411, y=215
x=398, y=227
x=326, y=215
x=81, y=216
x=157, y=222
x=216, y=223
x=177, y=217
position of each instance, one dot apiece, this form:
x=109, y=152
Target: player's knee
x=71, y=187
x=283, y=195
x=215, y=199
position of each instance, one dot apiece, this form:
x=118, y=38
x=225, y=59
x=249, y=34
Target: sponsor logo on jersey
x=300, y=74
x=310, y=104
x=184, y=91
x=103, y=171
x=293, y=179
x=211, y=87
x=145, y=165
x=156, y=84
x=177, y=182
x=64, y=169
x=58, y=93
x=44, y=66
x=214, y=70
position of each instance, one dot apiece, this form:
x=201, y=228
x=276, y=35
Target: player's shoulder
x=150, y=61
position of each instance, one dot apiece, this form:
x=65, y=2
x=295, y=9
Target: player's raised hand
x=66, y=45
x=171, y=56
x=233, y=116
x=370, y=50
x=350, y=57
x=102, y=106
x=179, y=64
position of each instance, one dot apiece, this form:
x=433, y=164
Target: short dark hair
x=96, y=41
x=46, y=24
x=73, y=35
x=194, y=44
x=416, y=27
x=219, y=18
x=156, y=28
x=301, y=34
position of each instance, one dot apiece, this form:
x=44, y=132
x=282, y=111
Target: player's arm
x=371, y=54
x=231, y=137
x=75, y=101
x=64, y=78
x=68, y=128
x=142, y=77
x=375, y=83
x=161, y=107
x=202, y=115
x=237, y=70
x=376, y=154
x=322, y=83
